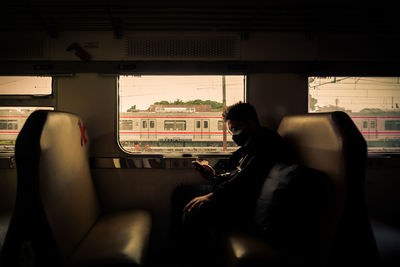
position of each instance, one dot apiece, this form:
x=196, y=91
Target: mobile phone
x=196, y=163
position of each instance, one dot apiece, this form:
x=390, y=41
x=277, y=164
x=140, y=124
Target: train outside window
x=183, y=112
x=13, y=115
x=220, y=125
x=392, y=125
x=372, y=102
x=126, y=125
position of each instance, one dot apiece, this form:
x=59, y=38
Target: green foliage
x=313, y=102
x=214, y=104
x=131, y=109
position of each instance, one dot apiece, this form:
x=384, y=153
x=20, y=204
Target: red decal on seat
x=83, y=137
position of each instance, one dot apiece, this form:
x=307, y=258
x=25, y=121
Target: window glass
x=185, y=108
x=126, y=125
x=220, y=125
x=372, y=102
x=25, y=85
x=169, y=125
x=12, y=120
x=392, y=125
x=180, y=125
x=144, y=124
x=152, y=124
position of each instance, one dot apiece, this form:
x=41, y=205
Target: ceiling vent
x=185, y=47
x=22, y=49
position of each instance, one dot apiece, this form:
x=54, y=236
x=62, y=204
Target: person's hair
x=242, y=112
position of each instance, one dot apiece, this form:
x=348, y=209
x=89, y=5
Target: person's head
x=242, y=121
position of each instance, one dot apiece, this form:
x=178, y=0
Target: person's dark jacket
x=240, y=180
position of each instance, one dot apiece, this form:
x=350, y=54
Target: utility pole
x=223, y=110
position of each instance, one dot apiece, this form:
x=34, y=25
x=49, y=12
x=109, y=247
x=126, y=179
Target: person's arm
x=229, y=164
x=200, y=202
x=246, y=182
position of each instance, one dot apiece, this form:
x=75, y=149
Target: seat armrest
x=249, y=250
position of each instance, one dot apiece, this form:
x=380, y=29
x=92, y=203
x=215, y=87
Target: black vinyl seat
x=57, y=220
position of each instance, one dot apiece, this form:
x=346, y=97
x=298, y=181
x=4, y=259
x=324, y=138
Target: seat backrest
x=56, y=200
x=331, y=143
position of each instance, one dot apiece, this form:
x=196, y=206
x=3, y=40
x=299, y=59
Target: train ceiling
x=248, y=16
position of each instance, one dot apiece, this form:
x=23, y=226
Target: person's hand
x=206, y=170
x=200, y=202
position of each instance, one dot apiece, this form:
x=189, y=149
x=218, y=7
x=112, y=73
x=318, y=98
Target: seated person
x=230, y=200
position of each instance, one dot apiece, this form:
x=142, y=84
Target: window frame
x=172, y=154
x=371, y=154
x=29, y=100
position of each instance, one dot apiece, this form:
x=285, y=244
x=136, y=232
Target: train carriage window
x=126, y=125
x=20, y=96
x=185, y=112
x=144, y=124
x=169, y=125
x=392, y=125
x=220, y=125
x=3, y=124
x=180, y=125
x=372, y=102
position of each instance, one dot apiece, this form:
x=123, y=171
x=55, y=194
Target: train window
x=180, y=125
x=169, y=125
x=8, y=125
x=11, y=121
x=126, y=125
x=175, y=125
x=372, y=102
x=182, y=112
x=144, y=124
x=220, y=125
x=392, y=125
x=19, y=97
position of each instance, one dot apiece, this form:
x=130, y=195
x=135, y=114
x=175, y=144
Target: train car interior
x=106, y=105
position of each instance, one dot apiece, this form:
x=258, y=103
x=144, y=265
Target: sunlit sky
x=25, y=85
x=143, y=91
x=356, y=93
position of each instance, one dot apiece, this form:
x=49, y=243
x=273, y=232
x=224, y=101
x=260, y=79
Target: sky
x=143, y=91
x=25, y=85
x=357, y=93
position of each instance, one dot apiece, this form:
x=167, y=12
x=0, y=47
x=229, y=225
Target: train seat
x=58, y=220
x=329, y=143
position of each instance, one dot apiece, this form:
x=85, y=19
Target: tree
x=214, y=104
x=131, y=109
x=313, y=102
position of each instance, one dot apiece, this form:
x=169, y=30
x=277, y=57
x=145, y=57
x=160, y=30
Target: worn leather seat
x=332, y=144
x=57, y=220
